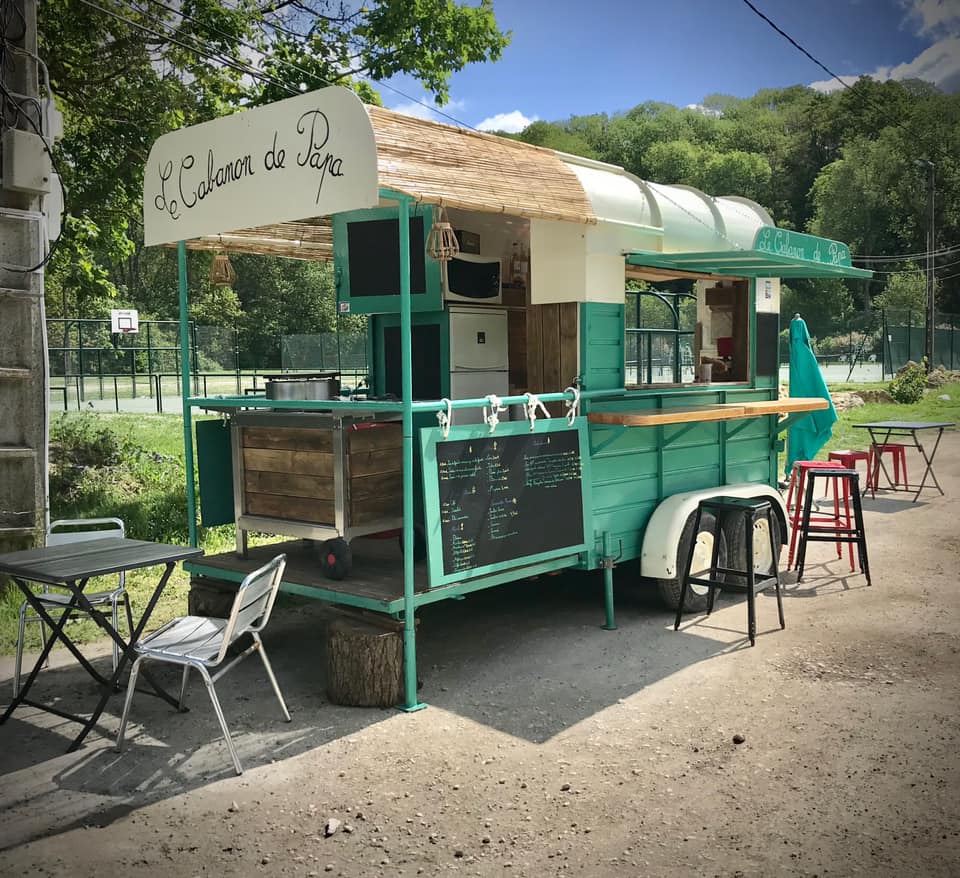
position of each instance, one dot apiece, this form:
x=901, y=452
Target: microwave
x=472, y=278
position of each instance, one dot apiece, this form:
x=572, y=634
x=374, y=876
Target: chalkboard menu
x=505, y=497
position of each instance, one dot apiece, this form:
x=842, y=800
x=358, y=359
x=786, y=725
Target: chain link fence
x=345, y=353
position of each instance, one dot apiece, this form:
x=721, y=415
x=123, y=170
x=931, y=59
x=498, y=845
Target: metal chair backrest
x=76, y=530
x=254, y=603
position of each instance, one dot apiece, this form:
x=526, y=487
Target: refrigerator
x=479, y=364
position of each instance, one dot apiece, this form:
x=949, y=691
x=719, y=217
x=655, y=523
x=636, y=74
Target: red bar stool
x=849, y=459
x=795, y=504
x=899, y=454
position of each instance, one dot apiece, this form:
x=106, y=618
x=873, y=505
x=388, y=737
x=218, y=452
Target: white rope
x=573, y=406
x=530, y=409
x=495, y=406
x=445, y=417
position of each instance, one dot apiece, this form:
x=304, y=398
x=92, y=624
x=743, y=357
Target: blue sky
x=570, y=57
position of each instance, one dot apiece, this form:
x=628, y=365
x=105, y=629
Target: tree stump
x=211, y=597
x=365, y=662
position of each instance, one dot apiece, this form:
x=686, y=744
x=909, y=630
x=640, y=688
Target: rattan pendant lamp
x=442, y=243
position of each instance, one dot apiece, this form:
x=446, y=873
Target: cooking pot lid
x=301, y=376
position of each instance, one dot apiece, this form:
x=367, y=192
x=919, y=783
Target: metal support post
x=608, y=562
x=411, y=701
x=185, y=391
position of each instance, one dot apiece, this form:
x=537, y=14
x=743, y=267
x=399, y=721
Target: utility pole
x=931, y=306
x=25, y=178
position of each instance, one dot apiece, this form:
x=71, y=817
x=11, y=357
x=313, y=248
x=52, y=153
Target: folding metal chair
x=62, y=532
x=202, y=643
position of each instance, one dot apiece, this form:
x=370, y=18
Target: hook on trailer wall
x=530, y=409
x=491, y=411
x=573, y=406
x=445, y=417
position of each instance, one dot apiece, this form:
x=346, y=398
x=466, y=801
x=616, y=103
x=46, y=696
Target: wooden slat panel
x=375, y=438
x=376, y=485
x=534, y=348
x=550, y=348
x=291, y=484
x=309, y=463
x=517, y=349
x=389, y=461
x=569, y=343
x=290, y=508
x=287, y=438
x=370, y=509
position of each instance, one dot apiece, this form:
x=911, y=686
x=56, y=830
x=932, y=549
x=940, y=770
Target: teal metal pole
x=185, y=391
x=608, y=561
x=411, y=702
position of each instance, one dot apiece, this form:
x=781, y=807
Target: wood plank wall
x=552, y=348
x=288, y=473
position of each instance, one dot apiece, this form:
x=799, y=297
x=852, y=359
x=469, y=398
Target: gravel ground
x=552, y=747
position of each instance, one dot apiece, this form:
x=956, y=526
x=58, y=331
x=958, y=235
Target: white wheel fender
x=658, y=559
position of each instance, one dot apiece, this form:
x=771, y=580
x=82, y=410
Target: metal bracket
x=611, y=563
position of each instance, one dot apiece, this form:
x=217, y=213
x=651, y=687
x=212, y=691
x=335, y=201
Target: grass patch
x=129, y=467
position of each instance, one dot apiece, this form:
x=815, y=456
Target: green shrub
x=98, y=471
x=911, y=382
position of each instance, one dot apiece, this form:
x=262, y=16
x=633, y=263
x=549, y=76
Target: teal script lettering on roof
x=797, y=245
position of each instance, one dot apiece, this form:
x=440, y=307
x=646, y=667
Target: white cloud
x=426, y=109
x=513, y=122
x=706, y=111
x=939, y=64
x=933, y=16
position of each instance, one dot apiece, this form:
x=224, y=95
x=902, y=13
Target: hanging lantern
x=221, y=271
x=442, y=243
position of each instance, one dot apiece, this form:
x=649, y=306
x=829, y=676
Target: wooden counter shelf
x=720, y=412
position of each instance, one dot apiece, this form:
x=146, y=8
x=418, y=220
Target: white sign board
x=306, y=156
x=124, y=320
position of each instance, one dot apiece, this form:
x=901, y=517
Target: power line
x=916, y=269
x=903, y=257
x=165, y=35
x=796, y=45
x=301, y=42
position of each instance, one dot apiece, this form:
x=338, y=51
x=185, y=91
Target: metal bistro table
x=886, y=429
x=71, y=566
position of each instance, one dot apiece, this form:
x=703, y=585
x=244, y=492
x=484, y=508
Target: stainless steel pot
x=303, y=388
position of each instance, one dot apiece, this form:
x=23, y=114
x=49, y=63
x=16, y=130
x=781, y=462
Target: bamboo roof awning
x=456, y=167
x=442, y=165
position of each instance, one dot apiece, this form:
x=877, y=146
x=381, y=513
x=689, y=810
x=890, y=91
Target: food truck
x=515, y=424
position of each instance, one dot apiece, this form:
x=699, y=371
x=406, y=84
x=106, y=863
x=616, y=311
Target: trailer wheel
x=696, y=600
x=336, y=559
x=762, y=560
x=419, y=543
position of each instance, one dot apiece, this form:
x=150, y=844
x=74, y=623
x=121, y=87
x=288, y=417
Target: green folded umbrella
x=809, y=435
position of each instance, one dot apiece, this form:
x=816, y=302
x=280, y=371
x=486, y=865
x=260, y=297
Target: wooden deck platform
x=376, y=578
x=375, y=583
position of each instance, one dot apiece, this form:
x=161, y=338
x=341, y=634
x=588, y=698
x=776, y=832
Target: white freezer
x=473, y=385
x=478, y=341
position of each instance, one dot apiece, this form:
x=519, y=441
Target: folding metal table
x=71, y=566
x=886, y=429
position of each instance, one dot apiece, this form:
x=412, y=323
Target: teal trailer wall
x=602, y=361
x=634, y=468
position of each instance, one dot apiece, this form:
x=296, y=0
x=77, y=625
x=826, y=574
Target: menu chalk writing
x=504, y=498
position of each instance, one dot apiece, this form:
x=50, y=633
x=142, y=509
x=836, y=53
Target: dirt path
x=552, y=747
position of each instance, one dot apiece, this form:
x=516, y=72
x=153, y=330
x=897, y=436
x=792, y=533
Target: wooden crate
x=288, y=472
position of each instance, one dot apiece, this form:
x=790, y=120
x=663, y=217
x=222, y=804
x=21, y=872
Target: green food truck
x=520, y=417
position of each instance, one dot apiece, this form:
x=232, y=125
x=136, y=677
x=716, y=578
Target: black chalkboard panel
x=768, y=345
x=508, y=497
x=374, y=257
